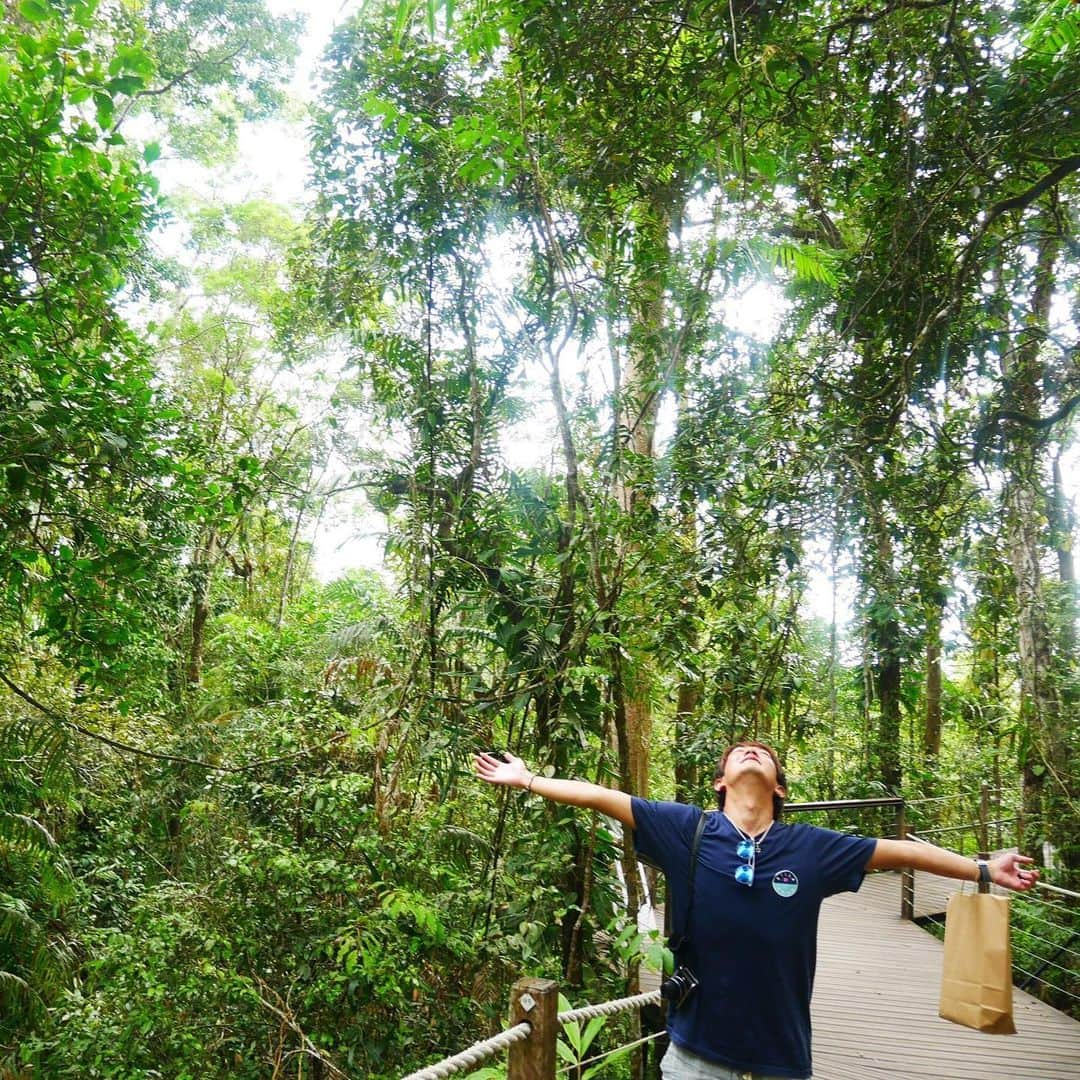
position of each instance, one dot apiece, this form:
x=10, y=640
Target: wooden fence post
x=537, y=1001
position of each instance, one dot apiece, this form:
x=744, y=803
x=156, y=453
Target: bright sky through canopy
x=274, y=163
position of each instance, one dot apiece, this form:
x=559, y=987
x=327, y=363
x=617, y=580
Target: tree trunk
x=885, y=640
x=1062, y=530
x=1048, y=782
x=202, y=569
x=686, y=704
x=834, y=665
x=290, y=563
x=889, y=675
x=637, y=402
x=932, y=717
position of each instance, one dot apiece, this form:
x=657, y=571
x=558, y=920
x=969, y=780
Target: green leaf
x=34, y=11
x=404, y=14
x=151, y=152
x=104, y=106
x=592, y=1029
x=566, y=1053
x=132, y=59
x=125, y=84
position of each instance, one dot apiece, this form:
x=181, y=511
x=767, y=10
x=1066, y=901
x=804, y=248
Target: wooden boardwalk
x=876, y=1001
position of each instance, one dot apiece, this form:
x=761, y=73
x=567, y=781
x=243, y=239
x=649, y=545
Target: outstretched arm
x=1010, y=871
x=515, y=773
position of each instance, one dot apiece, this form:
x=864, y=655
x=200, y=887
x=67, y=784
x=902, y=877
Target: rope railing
x=535, y=1036
x=609, y=1008
x=530, y=997
x=473, y=1055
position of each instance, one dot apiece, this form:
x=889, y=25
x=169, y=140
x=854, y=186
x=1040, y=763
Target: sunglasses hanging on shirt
x=747, y=850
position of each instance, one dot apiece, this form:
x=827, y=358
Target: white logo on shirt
x=785, y=883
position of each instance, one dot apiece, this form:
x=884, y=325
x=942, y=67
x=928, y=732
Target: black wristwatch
x=984, y=872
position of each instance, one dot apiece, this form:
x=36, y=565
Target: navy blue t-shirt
x=753, y=947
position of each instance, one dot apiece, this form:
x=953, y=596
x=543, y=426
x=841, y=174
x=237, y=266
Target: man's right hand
x=515, y=773
x=512, y=773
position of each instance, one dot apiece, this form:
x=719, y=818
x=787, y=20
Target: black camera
x=678, y=986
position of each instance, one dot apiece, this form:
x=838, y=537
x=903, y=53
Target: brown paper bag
x=976, y=974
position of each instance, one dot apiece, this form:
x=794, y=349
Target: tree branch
x=127, y=748
x=1036, y=423
x=1026, y=198
x=866, y=16
x=1064, y=168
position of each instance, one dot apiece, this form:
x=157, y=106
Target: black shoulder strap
x=676, y=942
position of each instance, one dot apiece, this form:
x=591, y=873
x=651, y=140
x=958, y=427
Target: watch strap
x=984, y=872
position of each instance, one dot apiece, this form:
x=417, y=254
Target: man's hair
x=781, y=778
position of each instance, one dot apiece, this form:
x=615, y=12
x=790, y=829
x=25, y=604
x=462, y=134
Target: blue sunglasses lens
x=744, y=875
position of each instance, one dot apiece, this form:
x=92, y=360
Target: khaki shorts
x=680, y=1064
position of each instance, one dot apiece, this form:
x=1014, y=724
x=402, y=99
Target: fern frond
x=20, y=830
x=11, y=985
x=16, y=925
x=805, y=262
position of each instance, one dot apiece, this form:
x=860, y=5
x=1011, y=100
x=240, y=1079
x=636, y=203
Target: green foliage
x=161, y=995
x=209, y=66
x=83, y=432
x=580, y=1044
x=35, y=958
x=237, y=827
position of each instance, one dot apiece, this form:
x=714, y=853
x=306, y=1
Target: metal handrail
x=970, y=825
x=1058, y=889
x=841, y=804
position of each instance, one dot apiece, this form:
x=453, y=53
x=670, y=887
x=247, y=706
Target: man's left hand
x=1012, y=871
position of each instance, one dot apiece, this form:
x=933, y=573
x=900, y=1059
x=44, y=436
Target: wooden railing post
x=537, y=1001
x=907, y=875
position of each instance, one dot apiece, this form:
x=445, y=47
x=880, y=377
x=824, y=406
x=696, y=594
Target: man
x=758, y=888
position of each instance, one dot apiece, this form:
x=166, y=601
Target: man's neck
x=749, y=811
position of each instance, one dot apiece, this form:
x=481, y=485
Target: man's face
x=748, y=759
